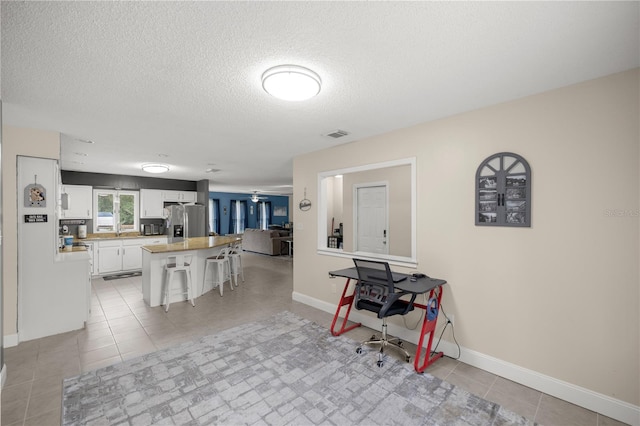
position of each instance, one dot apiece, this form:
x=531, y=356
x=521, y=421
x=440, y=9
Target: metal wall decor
x=304, y=204
x=503, y=191
x=35, y=195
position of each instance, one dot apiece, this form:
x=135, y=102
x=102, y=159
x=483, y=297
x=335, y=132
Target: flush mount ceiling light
x=155, y=168
x=291, y=82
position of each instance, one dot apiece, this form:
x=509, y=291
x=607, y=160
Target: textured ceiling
x=179, y=82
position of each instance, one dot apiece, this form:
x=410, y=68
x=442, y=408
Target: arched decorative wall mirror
x=369, y=211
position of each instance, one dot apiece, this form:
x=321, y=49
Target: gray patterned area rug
x=285, y=370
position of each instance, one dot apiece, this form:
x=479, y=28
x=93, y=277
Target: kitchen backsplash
x=72, y=225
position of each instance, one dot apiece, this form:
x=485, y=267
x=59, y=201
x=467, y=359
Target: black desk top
x=422, y=285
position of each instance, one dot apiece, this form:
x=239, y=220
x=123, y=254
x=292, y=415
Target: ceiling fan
x=255, y=197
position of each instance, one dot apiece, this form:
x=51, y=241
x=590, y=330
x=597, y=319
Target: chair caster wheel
x=408, y=359
x=373, y=337
x=400, y=343
x=380, y=363
x=358, y=350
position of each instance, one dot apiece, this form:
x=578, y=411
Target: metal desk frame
x=423, y=285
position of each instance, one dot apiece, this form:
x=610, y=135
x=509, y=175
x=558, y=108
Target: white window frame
x=116, y=214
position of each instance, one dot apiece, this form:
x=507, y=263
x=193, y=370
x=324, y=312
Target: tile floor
x=121, y=327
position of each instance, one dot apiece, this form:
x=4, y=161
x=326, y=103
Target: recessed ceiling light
x=155, y=168
x=291, y=82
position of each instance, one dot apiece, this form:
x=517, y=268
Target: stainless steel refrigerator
x=185, y=221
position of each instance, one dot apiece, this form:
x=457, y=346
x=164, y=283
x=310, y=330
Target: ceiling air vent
x=337, y=134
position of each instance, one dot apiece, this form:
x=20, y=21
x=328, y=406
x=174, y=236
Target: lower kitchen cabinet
x=131, y=255
x=124, y=254
x=109, y=256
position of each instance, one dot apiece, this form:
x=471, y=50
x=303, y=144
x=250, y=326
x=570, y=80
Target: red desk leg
x=344, y=301
x=428, y=327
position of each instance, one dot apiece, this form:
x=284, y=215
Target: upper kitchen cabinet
x=180, y=196
x=79, y=202
x=151, y=203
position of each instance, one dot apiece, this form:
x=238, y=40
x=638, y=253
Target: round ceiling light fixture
x=291, y=82
x=155, y=168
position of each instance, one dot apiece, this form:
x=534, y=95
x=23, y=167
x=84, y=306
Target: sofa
x=265, y=241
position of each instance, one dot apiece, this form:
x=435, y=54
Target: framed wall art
x=35, y=195
x=503, y=191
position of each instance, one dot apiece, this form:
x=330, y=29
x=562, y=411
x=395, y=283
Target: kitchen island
x=154, y=259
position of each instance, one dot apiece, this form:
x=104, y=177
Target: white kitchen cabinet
x=109, y=256
x=151, y=203
x=79, y=202
x=93, y=261
x=189, y=196
x=131, y=254
x=120, y=255
x=155, y=241
x=180, y=196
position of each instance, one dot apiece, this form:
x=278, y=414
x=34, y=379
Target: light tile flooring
x=121, y=327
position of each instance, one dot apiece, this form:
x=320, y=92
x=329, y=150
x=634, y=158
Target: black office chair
x=376, y=292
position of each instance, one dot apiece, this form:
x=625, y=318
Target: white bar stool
x=235, y=260
x=177, y=263
x=221, y=270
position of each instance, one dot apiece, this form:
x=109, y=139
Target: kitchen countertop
x=197, y=243
x=73, y=249
x=76, y=254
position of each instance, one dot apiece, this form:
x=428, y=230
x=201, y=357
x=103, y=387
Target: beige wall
x=27, y=142
x=560, y=298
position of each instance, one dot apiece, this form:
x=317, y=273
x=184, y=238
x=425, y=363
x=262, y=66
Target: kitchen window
x=115, y=211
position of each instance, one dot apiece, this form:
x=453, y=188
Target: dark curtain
x=264, y=209
x=244, y=217
x=214, y=215
x=239, y=220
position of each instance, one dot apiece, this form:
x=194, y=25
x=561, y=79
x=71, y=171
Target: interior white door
x=371, y=213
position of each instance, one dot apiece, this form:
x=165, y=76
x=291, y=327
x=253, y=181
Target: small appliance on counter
x=82, y=231
x=68, y=242
x=152, y=229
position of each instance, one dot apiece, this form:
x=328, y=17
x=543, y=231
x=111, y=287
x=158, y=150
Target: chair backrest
x=376, y=273
x=375, y=290
x=375, y=283
x=223, y=253
x=236, y=248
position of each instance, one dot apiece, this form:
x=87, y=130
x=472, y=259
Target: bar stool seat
x=177, y=263
x=235, y=260
x=221, y=270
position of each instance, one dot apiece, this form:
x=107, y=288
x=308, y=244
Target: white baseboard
x=10, y=340
x=594, y=401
